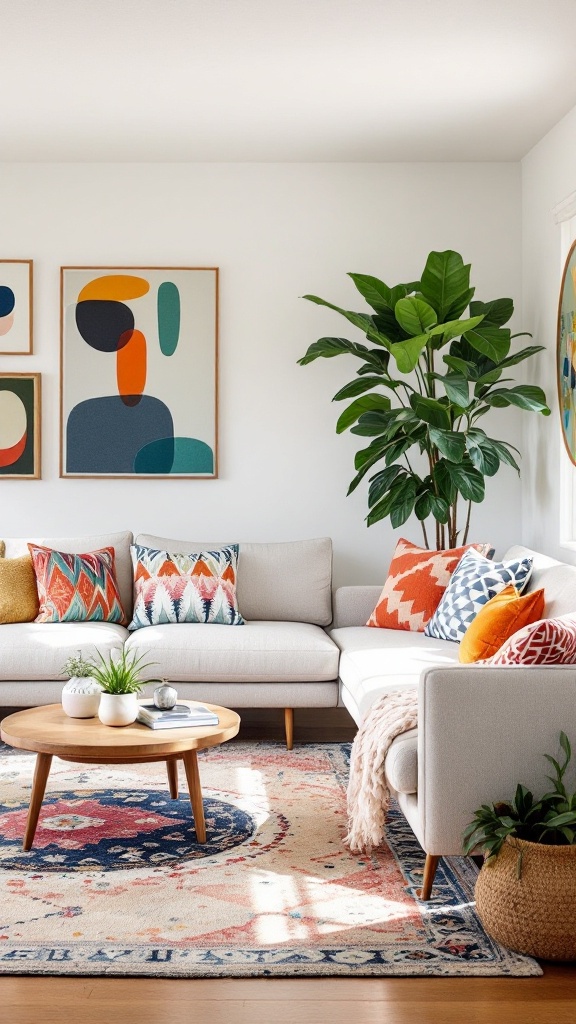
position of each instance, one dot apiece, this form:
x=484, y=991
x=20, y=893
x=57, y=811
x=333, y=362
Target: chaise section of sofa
x=282, y=657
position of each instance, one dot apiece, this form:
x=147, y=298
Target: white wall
x=548, y=177
x=276, y=231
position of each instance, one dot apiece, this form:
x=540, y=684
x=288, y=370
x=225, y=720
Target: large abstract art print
x=16, y=307
x=20, y=426
x=139, y=371
x=566, y=353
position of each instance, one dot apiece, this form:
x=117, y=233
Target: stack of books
x=180, y=716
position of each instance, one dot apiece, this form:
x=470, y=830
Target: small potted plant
x=526, y=890
x=119, y=677
x=81, y=694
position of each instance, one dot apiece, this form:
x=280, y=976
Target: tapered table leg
x=172, y=769
x=193, y=777
x=41, y=772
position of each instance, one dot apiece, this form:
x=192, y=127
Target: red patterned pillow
x=76, y=588
x=547, y=642
x=417, y=579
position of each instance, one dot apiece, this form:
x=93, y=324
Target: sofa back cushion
x=17, y=546
x=557, y=579
x=282, y=582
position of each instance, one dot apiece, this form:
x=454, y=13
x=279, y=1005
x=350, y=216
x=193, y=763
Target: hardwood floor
x=550, y=999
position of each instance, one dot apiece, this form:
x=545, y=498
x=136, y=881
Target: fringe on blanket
x=368, y=793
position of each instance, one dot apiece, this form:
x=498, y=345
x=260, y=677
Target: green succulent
x=76, y=666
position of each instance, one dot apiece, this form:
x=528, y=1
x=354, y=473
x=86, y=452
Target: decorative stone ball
x=165, y=697
x=81, y=697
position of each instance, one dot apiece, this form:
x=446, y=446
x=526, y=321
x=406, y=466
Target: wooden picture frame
x=16, y=307
x=20, y=426
x=139, y=372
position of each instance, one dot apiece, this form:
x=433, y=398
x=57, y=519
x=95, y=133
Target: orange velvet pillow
x=498, y=620
x=417, y=579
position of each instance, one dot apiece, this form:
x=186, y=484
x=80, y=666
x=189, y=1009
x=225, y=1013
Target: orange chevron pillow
x=417, y=579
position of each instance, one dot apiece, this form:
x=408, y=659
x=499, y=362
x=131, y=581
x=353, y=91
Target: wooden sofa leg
x=289, y=727
x=429, y=872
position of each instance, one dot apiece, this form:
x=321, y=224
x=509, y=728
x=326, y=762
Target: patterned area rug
x=117, y=884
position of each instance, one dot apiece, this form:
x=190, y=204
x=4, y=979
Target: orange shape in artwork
x=117, y=287
x=131, y=364
x=8, y=456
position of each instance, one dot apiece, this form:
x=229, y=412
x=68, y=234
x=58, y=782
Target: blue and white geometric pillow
x=473, y=583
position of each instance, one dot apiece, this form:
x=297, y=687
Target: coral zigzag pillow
x=171, y=588
x=417, y=579
x=548, y=642
x=76, y=588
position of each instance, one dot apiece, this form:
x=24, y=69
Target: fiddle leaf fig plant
x=436, y=363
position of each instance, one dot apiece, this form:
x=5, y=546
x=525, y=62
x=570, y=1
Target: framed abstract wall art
x=566, y=353
x=16, y=307
x=139, y=371
x=20, y=426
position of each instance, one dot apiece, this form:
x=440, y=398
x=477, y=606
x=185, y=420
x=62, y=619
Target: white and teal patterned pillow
x=171, y=588
x=473, y=583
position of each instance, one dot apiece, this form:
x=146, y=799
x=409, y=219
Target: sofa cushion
x=259, y=652
x=557, y=579
x=38, y=650
x=16, y=546
x=284, y=582
x=401, y=763
x=376, y=661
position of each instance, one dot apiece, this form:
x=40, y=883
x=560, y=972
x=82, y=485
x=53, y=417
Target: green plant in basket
x=551, y=820
x=120, y=674
x=77, y=667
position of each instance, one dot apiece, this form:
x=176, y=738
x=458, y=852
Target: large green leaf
x=423, y=505
x=406, y=353
x=366, y=403
x=525, y=396
x=372, y=424
x=445, y=281
x=462, y=366
x=483, y=456
x=404, y=506
x=460, y=304
x=468, y=481
x=439, y=508
x=360, y=320
x=360, y=385
x=415, y=316
x=497, y=312
x=328, y=347
x=376, y=293
x=518, y=357
x=444, y=482
x=381, y=482
x=491, y=341
x=449, y=443
x=456, y=387
x=397, y=449
x=454, y=328
x=431, y=411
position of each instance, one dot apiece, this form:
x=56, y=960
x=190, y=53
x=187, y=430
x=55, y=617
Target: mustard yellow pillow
x=18, y=592
x=2, y=548
x=498, y=620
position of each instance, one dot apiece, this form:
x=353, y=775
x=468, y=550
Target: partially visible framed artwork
x=20, y=433
x=566, y=353
x=16, y=307
x=138, y=375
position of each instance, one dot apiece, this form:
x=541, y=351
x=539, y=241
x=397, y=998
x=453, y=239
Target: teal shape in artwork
x=168, y=317
x=176, y=456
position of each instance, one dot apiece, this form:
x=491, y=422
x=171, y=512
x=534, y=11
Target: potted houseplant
x=81, y=694
x=438, y=362
x=119, y=677
x=526, y=890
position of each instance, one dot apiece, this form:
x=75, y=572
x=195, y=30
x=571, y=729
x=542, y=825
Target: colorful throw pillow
x=76, y=588
x=475, y=581
x=548, y=642
x=18, y=593
x=417, y=578
x=197, y=587
x=498, y=620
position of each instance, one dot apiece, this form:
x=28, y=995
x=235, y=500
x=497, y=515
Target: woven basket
x=536, y=913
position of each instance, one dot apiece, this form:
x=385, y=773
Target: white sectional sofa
x=482, y=729
x=282, y=657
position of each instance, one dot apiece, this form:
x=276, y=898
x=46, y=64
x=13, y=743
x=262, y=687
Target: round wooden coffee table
x=50, y=732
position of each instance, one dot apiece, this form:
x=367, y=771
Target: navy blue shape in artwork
x=104, y=324
x=7, y=300
x=104, y=435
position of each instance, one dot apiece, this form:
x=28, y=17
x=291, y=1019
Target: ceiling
x=287, y=80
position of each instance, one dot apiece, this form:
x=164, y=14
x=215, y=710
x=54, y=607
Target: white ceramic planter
x=81, y=697
x=118, y=708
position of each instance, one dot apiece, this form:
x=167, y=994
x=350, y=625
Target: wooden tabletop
x=49, y=730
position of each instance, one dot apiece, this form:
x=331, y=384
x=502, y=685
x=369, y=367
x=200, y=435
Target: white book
x=177, y=723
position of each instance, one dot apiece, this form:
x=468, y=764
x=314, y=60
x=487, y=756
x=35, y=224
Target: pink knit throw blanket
x=368, y=793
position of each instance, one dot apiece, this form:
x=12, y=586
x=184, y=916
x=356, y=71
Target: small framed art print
x=16, y=307
x=20, y=432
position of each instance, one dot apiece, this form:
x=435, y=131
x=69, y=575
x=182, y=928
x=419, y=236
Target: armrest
x=353, y=606
x=481, y=731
